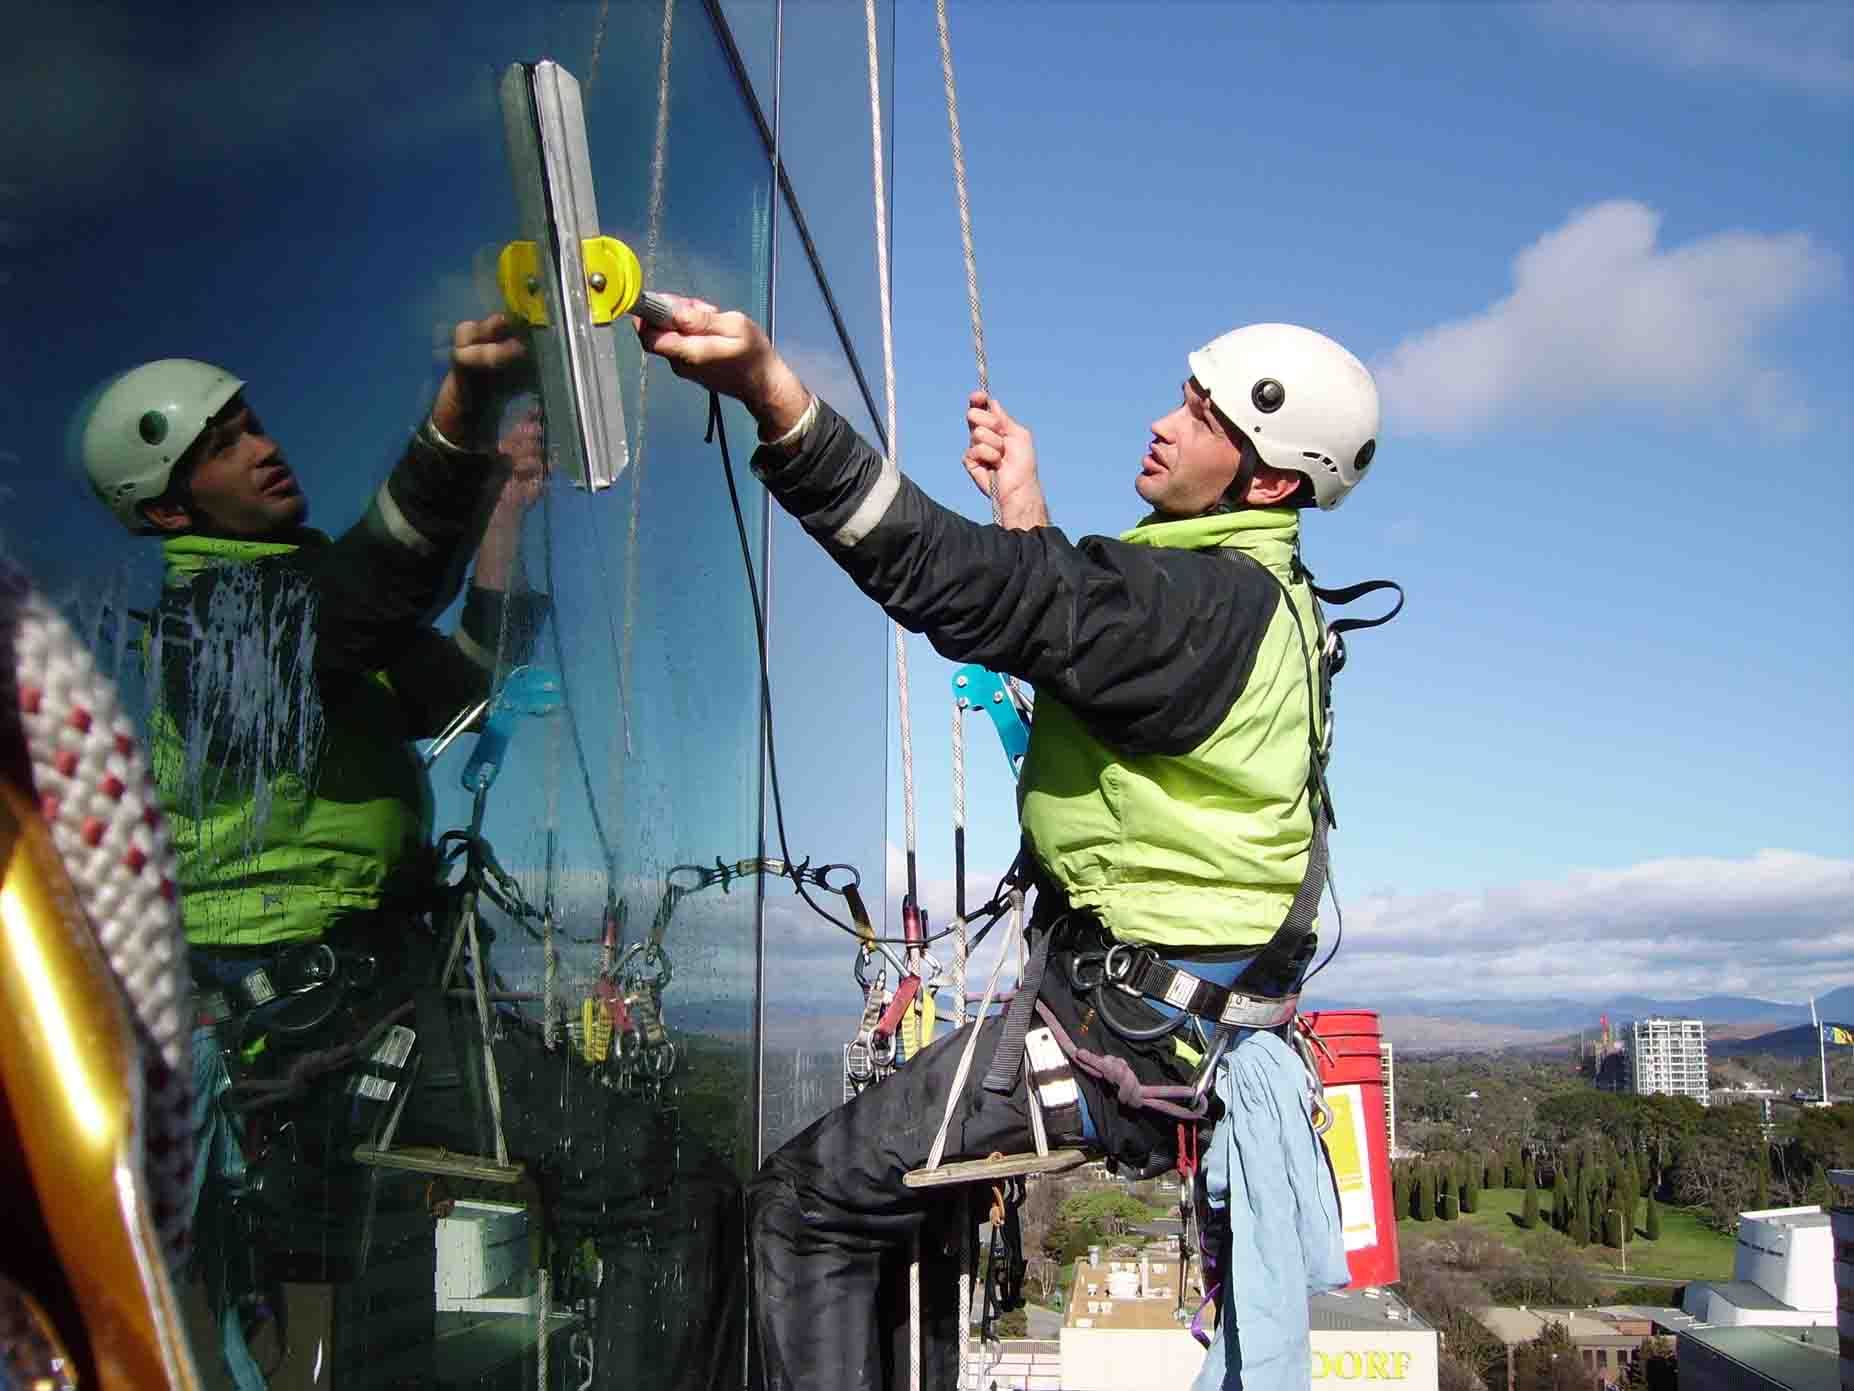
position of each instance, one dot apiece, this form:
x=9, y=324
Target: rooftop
x=1362, y=1311
x=1801, y=1359
x=1742, y=1293
x=1515, y=1324
x=1789, y=1216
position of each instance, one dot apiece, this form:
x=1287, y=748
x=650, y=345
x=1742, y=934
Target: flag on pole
x=1842, y=1034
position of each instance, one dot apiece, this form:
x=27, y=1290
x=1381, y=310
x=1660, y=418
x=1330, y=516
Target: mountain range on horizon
x=1562, y=1016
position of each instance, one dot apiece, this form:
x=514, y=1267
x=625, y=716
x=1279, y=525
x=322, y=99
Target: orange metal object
x=70, y=1126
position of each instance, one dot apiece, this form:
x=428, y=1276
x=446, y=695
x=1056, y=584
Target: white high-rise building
x=1668, y=1057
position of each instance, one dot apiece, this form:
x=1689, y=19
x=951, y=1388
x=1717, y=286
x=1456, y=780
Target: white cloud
x=1778, y=924
x=1600, y=314
x=1808, y=45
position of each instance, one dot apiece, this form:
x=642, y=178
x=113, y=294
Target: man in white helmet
x=1173, y=812
x=293, y=673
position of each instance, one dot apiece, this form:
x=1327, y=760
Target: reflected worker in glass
x=290, y=674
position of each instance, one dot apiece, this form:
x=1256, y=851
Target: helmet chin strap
x=1235, y=497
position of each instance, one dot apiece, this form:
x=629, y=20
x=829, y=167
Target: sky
x=1597, y=256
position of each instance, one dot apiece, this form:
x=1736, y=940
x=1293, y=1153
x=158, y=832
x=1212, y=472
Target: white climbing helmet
x=138, y=424
x=1305, y=402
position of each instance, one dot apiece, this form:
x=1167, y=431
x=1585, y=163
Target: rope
x=97, y=794
x=965, y=1059
x=968, y=1236
x=965, y=205
x=904, y=714
x=961, y=947
x=914, y=1314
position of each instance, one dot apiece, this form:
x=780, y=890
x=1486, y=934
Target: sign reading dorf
x=1361, y=1365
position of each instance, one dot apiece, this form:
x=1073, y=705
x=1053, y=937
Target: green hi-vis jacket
x=290, y=677
x=1202, y=848
x=1166, y=783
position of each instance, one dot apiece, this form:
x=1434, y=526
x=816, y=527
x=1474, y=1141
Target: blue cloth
x=219, y=1158
x=1269, y=1180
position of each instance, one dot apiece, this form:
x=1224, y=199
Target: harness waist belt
x=1143, y=972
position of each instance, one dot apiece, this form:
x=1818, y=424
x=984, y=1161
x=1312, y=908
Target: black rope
x=717, y=434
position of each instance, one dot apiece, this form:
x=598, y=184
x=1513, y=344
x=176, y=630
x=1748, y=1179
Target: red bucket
x=1345, y=1046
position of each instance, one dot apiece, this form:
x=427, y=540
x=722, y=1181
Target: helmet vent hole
x=1363, y=461
x=152, y=427
x=1320, y=459
x=1268, y=395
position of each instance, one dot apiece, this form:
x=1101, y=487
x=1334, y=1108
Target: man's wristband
x=789, y=442
x=441, y=442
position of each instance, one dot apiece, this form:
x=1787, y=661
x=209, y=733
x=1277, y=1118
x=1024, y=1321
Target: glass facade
x=493, y=751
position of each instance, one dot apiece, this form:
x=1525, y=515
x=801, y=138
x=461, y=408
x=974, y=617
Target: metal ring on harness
x=1086, y=971
x=703, y=878
x=855, y=880
x=644, y=964
x=1132, y=1032
x=1117, y=965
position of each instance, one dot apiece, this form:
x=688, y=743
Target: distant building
x=1783, y=1274
x=1667, y=1057
x=1757, y=1359
x=1387, y=1069
x=1606, y=1340
x=1127, y=1327
x=1841, y=1224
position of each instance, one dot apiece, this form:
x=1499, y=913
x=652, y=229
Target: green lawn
x=1687, y=1250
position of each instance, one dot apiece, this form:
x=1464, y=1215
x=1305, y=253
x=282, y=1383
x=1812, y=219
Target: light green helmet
x=135, y=428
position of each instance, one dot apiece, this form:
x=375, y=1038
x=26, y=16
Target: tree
x=1580, y=1225
x=1471, y=1187
x=1612, y=1228
x=1400, y=1190
x=1513, y=1165
x=1490, y=1170
x=1652, y=1226
x=1655, y=1367
x=1561, y=1203
x=1529, y=1216
x=1550, y=1362
x=1425, y=1196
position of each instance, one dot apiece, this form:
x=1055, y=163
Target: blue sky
x=1599, y=257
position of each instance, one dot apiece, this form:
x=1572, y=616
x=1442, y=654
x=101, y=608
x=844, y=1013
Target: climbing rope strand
x=961, y=946
x=965, y=204
x=965, y=1058
x=879, y=179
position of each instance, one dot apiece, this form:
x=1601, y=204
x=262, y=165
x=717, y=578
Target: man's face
x=1191, y=460
x=241, y=485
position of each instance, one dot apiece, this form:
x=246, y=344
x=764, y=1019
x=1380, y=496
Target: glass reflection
x=323, y=704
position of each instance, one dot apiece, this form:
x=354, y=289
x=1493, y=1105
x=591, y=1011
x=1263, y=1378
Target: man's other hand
x=488, y=357
x=1001, y=460
x=520, y=448
x=726, y=351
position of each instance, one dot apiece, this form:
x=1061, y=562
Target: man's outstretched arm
x=1149, y=645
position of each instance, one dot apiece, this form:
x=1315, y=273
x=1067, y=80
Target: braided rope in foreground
x=97, y=795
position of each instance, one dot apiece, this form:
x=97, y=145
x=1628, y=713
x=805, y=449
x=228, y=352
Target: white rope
x=905, y=721
x=965, y=205
x=965, y=1059
x=542, y=1311
x=914, y=1314
x=967, y=1237
x=961, y=947
x=97, y=794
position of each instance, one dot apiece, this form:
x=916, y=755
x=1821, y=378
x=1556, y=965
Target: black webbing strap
x=1007, y=1059
x=1276, y=968
x=1350, y=593
x=441, y=1069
